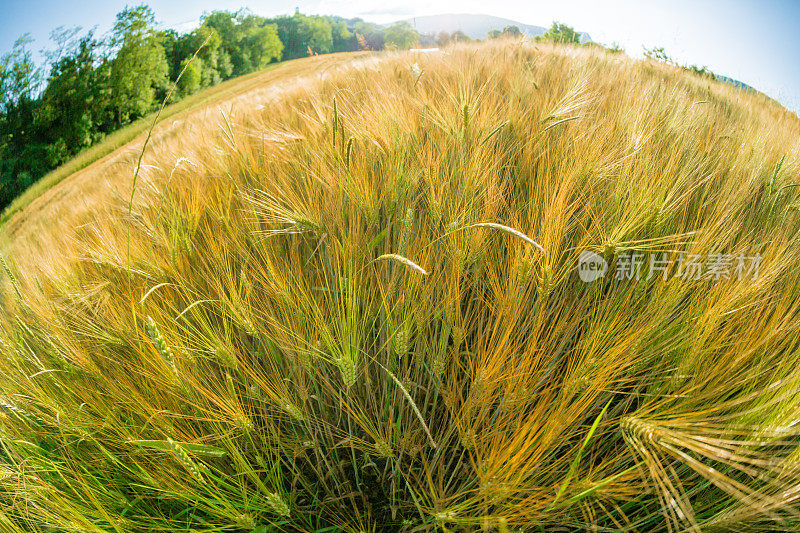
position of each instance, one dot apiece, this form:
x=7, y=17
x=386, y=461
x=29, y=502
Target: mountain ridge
x=475, y=25
x=478, y=25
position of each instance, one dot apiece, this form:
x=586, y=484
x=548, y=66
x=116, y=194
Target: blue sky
x=757, y=42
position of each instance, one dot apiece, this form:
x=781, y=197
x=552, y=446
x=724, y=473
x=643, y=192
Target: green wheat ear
x=401, y=340
x=439, y=362
x=335, y=121
x=245, y=521
x=348, y=366
x=348, y=152
x=278, y=504
x=294, y=411
x=184, y=458
x=10, y=275
x=465, y=120
x=160, y=344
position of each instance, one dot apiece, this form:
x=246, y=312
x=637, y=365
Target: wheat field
x=355, y=306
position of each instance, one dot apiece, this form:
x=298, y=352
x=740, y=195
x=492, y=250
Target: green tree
x=401, y=35
x=22, y=152
x=72, y=106
x=343, y=39
x=288, y=33
x=259, y=43
x=658, y=53
x=140, y=66
x=375, y=40
x=192, y=78
x=19, y=76
x=171, y=40
x=64, y=40
x=513, y=31
x=239, y=43
x=443, y=39
x=371, y=36
x=212, y=63
x=560, y=33
x=459, y=36
x=315, y=33
x=224, y=24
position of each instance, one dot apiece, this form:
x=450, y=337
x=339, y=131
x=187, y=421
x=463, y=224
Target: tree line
x=90, y=86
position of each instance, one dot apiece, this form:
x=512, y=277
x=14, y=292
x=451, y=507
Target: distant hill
x=476, y=26
x=735, y=83
x=743, y=86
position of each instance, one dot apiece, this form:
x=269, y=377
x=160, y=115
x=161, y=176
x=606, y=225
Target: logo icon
x=591, y=266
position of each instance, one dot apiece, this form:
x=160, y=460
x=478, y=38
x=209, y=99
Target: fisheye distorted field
x=354, y=306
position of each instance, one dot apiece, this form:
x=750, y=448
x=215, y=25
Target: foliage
x=76, y=83
x=247, y=41
x=701, y=71
x=401, y=36
x=316, y=33
x=459, y=36
x=18, y=73
x=368, y=317
x=343, y=39
x=139, y=68
x=560, y=33
x=192, y=78
x=659, y=54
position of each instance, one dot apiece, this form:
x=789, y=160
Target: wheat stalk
x=510, y=231
x=404, y=261
x=412, y=402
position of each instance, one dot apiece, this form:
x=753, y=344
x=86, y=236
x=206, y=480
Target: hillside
x=475, y=26
x=736, y=83
x=76, y=188
x=503, y=286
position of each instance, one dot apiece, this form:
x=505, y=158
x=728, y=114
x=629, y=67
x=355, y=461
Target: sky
x=757, y=42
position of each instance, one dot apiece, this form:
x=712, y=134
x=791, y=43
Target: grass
x=357, y=309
